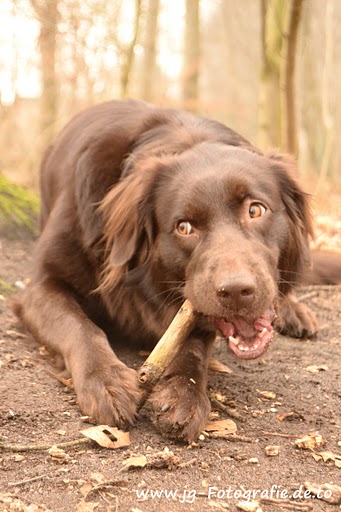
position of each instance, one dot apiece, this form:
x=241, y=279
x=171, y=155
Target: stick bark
x=165, y=350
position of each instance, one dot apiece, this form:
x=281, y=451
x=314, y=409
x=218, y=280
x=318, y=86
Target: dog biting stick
x=166, y=349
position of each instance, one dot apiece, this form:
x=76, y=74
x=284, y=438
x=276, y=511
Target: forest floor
x=293, y=391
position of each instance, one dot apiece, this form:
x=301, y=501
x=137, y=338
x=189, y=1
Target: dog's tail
x=326, y=269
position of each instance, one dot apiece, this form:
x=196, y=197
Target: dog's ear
x=295, y=255
x=96, y=169
x=128, y=223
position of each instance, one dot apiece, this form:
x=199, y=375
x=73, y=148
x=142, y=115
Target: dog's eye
x=184, y=228
x=256, y=210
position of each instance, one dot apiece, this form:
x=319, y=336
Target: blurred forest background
x=269, y=69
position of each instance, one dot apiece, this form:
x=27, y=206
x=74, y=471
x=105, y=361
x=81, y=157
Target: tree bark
x=269, y=113
x=191, y=67
x=289, y=137
x=149, y=60
x=47, y=13
x=328, y=74
x=129, y=52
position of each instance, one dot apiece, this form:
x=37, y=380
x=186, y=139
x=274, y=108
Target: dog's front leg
x=106, y=389
x=295, y=318
x=179, y=401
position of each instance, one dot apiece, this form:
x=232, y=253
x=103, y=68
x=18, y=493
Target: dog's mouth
x=247, y=339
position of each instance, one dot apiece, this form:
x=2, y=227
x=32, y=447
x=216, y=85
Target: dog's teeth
x=233, y=340
x=261, y=334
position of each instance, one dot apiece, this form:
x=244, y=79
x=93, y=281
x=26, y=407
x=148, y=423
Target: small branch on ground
x=278, y=434
x=42, y=447
x=287, y=504
x=27, y=481
x=227, y=410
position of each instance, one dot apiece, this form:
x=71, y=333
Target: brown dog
x=141, y=208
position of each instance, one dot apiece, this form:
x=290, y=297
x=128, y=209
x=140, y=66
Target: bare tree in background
x=328, y=74
x=149, y=58
x=48, y=15
x=127, y=52
x=272, y=20
x=191, y=55
x=289, y=137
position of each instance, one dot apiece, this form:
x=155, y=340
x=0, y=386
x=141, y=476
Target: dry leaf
x=314, y=368
x=292, y=415
x=225, y=426
x=217, y=366
x=249, y=506
x=326, y=492
x=326, y=456
x=58, y=454
x=164, y=459
x=99, y=434
x=316, y=457
x=86, y=488
x=272, y=450
x=310, y=442
x=99, y=478
x=135, y=462
x=86, y=506
x=269, y=395
x=218, y=396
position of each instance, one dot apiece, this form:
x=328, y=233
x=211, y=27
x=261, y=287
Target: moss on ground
x=18, y=210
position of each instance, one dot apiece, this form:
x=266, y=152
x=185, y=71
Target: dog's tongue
x=246, y=339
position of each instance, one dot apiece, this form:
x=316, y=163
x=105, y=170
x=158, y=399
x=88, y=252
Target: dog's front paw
x=296, y=319
x=109, y=394
x=180, y=407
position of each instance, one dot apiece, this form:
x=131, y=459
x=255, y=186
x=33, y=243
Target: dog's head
x=223, y=226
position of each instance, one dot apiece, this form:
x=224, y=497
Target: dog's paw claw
x=110, y=396
x=297, y=320
x=179, y=410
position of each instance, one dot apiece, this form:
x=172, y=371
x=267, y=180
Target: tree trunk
x=149, y=60
x=289, y=138
x=269, y=114
x=191, y=68
x=47, y=13
x=128, y=57
x=328, y=74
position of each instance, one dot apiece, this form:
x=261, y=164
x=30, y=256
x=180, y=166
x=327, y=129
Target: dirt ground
x=291, y=392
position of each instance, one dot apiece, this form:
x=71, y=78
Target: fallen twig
x=228, y=410
x=42, y=447
x=307, y=295
x=278, y=434
x=322, y=287
x=187, y=463
x=286, y=503
x=27, y=481
x=105, y=486
x=231, y=437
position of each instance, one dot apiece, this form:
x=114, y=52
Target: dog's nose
x=235, y=289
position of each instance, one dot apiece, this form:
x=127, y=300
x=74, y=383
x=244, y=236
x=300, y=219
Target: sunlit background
x=225, y=59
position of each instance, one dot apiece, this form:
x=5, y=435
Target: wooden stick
x=166, y=349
